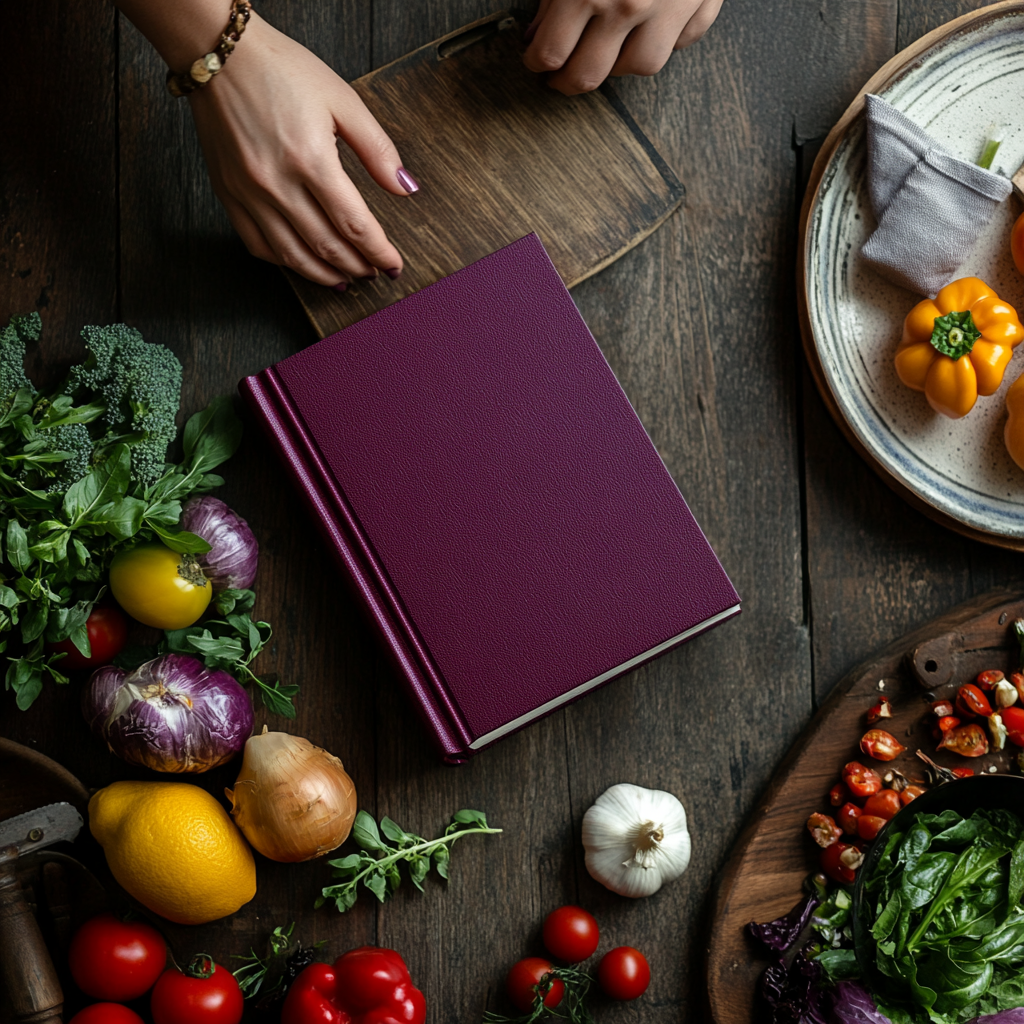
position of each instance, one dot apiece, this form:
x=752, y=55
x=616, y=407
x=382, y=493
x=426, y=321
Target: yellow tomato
x=159, y=587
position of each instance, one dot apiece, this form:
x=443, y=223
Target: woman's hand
x=582, y=42
x=268, y=125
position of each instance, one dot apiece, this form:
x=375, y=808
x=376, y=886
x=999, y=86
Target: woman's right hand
x=268, y=125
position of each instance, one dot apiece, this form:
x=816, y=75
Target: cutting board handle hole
x=931, y=665
x=472, y=36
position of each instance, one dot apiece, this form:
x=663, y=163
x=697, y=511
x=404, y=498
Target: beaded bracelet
x=180, y=83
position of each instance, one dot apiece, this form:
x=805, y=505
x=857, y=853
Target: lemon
x=174, y=848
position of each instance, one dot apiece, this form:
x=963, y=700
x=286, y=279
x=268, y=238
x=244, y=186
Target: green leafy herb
x=383, y=849
x=946, y=919
x=572, y=1006
x=252, y=975
x=84, y=474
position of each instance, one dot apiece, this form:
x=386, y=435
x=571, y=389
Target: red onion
x=171, y=714
x=230, y=564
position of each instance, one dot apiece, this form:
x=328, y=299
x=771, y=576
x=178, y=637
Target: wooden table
x=107, y=215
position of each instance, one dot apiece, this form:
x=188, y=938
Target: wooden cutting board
x=764, y=875
x=498, y=154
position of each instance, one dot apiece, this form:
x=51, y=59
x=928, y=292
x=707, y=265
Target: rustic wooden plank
x=510, y=156
x=765, y=872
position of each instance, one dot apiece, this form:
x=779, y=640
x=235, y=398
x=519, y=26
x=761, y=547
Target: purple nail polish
x=393, y=273
x=340, y=286
x=407, y=181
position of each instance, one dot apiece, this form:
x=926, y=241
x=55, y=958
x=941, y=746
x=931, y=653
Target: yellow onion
x=293, y=801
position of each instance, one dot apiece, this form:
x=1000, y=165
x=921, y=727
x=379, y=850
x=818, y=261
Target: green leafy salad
x=84, y=474
x=943, y=906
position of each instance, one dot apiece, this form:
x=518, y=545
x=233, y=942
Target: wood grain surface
x=576, y=170
x=764, y=875
x=106, y=214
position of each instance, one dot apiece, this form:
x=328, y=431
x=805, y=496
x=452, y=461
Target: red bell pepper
x=365, y=986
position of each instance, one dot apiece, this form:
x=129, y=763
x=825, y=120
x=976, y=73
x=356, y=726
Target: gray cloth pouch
x=930, y=205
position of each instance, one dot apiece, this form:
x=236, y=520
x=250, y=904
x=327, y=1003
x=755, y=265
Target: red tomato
x=116, y=960
x=523, y=979
x=885, y=804
x=570, y=934
x=883, y=709
x=107, y=628
x=831, y=861
x=861, y=781
x=1013, y=722
x=881, y=745
x=624, y=973
x=988, y=679
x=967, y=740
x=1017, y=243
x=182, y=998
x=911, y=793
x=869, y=825
x=962, y=773
x=106, y=1013
x=847, y=818
x=838, y=794
x=971, y=702
x=824, y=831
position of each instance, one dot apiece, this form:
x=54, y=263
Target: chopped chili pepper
x=971, y=702
x=912, y=793
x=365, y=985
x=838, y=794
x=861, y=781
x=824, y=831
x=948, y=722
x=883, y=709
x=847, y=818
x=869, y=825
x=942, y=708
x=962, y=773
x=885, y=804
x=965, y=740
x=832, y=864
x=881, y=745
x=987, y=679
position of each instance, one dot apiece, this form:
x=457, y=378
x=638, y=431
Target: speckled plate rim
x=890, y=72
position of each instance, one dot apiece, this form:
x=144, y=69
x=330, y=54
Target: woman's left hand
x=582, y=42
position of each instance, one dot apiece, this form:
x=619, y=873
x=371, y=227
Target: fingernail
x=393, y=273
x=340, y=286
x=407, y=181
x=531, y=31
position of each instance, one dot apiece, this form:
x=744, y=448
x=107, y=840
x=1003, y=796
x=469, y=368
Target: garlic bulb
x=635, y=839
x=293, y=801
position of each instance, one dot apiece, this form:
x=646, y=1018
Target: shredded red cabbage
x=780, y=934
x=853, y=1004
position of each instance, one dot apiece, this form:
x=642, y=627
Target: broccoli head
x=13, y=337
x=140, y=384
x=73, y=439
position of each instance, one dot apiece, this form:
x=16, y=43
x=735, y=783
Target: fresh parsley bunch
x=84, y=474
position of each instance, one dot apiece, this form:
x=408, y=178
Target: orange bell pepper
x=956, y=346
x=1013, y=432
x=1017, y=243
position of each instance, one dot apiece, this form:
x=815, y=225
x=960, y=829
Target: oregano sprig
x=572, y=1006
x=376, y=866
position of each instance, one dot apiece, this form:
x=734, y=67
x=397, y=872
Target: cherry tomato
x=861, y=781
x=838, y=794
x=947, y=722
x=570, y=934
x=624, y=973
x=824, y=831
x=1013, y=723
x=1017, y=243
x=885, y=804
x=869, y=825
x=832, y=863
x=847, y=818
x=971, y=702
x=116, y=960
x=1018, y=682
x=881, y=745
x=911, y=793
x=106, y=1013
x=185, y=998
x=883, y=709
x=967, y=740
x=987, y=679
x=159, y=587
x=107, y=629
x=524, y=977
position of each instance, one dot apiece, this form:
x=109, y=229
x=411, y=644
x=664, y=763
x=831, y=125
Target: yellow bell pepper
x=1013, y=432
x=956, y=346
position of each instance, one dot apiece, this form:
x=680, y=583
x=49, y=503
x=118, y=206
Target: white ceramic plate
x=955, y=84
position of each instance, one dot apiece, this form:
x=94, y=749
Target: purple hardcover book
x=482, y=478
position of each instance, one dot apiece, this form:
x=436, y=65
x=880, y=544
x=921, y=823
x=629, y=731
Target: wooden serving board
x=764, y=875
x=498, y=154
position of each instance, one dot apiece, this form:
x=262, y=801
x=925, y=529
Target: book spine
x=266, y=396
